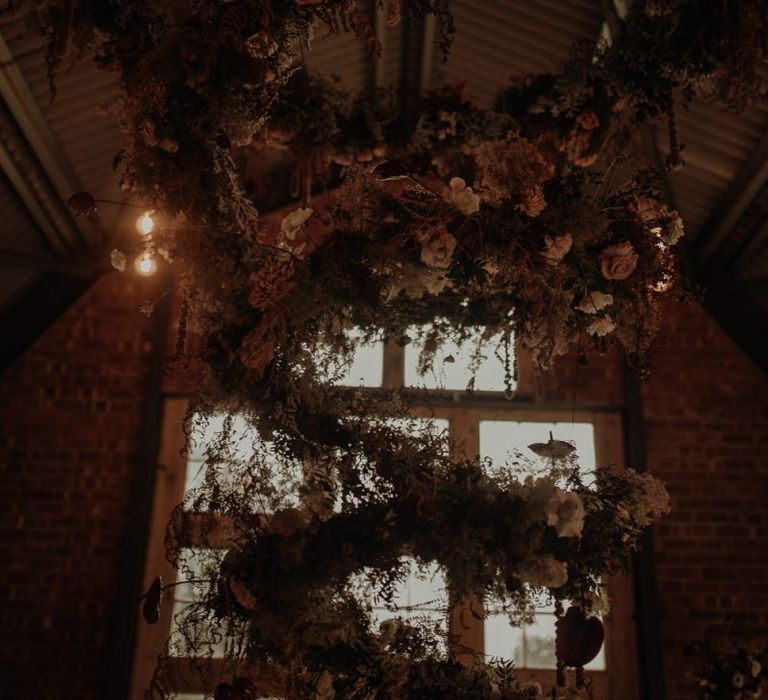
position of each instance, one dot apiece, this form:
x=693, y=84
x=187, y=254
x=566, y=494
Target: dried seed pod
x=82, y=203
x=578, y=639
x=552, y=449
x=150, y=610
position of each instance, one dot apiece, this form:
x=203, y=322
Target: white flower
x=648, y=499
x=544, y=572
x=461, y=196
x=565, y=512
x=601, y=603
x=601, y=326
x=595, y=301
x=434, y=281
x=414, y=282
x=755, y=668
x=674, y=230
x=294, y=220
x=117, y=260
x=738, y=680
x=557, y=248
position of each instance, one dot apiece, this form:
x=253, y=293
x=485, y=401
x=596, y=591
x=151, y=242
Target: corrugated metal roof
x=497, y=40
x=88, y=141
x=341, y=55
x=18, y=231
x=18, y=234
x=717, y=143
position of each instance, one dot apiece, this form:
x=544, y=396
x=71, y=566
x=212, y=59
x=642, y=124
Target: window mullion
x=393, y=374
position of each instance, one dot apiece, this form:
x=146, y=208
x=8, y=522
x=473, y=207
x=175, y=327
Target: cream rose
x=617, y=262
x=437, y=246
x=565, y=513
x=461, y=196
x=557, y=247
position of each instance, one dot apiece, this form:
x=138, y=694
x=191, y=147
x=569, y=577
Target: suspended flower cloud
x=444, y=214
x=733, y=673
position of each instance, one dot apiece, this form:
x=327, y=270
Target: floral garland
x=292, y=592
x=448, y=215
x=740, y=673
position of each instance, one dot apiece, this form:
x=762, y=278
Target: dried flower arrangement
x=736, y=673
x=451, y=215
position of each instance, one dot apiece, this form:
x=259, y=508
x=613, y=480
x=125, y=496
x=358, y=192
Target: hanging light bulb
x=145, y=224
x=145, y=265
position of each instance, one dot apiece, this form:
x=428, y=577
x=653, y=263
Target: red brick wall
x=706, y=423
x=69, y=431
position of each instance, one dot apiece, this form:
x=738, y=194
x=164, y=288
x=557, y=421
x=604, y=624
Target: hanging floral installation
x=735, y=673
x=441, y=215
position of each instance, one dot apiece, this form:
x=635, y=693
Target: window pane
x=422, y=594
x=540, y=642
x=500, y=438
x=502, y=640
x=453, y=362
x=195, y=560
x=244, y=444
x=367, y=366
x=532, y=646
x=205, y=431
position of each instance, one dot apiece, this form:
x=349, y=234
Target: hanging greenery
x=444, y=215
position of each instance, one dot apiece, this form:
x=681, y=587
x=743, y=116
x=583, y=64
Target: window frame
x=464, y=411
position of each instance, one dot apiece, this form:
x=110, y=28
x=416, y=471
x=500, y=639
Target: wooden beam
x=748, y=252
x=648, y=609
x=122, y=627
x=748, y=182
x=30, y=181
x=32, y=124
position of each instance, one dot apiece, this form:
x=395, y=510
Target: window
x=481, y=423
x=531, y=646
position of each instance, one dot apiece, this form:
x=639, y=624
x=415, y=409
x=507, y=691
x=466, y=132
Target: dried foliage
x=507, y=219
